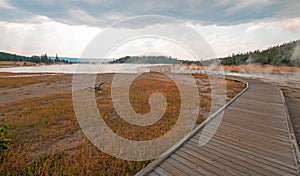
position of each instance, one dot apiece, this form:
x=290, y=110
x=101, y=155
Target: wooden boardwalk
x=254, y=138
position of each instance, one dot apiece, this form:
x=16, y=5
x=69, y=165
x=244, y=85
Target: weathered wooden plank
x=234, y=163
x=264, y=120
x=279, y=138
x=258, y=128
x=255, y=137
x=153, y=174
x=161, y=171
x=240, y=133
x=268, y=150
x=190, y=165
x=172, y=169
x=255, y=112
x=259, y=160
x=182, y=167
x=209, y=168
x=250, y=151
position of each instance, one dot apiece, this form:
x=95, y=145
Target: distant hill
x=49, y=59
x=36, y=59
x=148, y=60
x=154, y=60
x=12, y=57
x=285, y=54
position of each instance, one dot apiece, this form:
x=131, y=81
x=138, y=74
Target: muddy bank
x=43, y=85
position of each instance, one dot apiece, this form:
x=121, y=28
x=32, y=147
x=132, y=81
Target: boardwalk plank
x=182, y=167
x=253, y=153
x=260, y=161
x=239, y=134
x=278, y=138
x=161, y=171
x=210, y=169
x=268, y=150
x=234, y=163
x=172, y=169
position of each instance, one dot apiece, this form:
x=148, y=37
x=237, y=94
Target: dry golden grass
x=246, y=68
x=233, y=88
x=13, y=82
x=37, y=124
x=260, y=68
x=17, y=82
x=140, y=91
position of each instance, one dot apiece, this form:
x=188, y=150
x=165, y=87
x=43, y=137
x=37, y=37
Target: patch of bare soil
x=4, y=64
x=42, y=88
x=67, y=142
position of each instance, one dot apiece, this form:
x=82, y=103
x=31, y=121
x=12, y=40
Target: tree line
x=148, y=60
x=287, y=54
x=284, y=54
x=36, y=59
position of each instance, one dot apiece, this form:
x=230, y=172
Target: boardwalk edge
x=150, y=167
x=291, y=131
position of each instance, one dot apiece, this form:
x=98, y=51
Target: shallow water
x=82, y=68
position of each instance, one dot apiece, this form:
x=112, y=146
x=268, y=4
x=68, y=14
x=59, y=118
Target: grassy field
x=21, y=81
x=47, y=140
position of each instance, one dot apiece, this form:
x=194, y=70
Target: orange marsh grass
x=47, y=140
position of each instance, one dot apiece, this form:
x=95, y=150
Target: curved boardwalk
x=254, y=138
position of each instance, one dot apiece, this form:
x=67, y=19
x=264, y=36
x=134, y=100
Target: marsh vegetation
x=44, y=135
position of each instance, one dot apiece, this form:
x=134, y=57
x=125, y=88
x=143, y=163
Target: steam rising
x=250, y=60
x=296, y=54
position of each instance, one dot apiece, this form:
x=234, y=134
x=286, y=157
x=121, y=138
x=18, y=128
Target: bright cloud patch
x=47, y=37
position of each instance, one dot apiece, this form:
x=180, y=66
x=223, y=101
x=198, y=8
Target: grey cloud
x=104, y=12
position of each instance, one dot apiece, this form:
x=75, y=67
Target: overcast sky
x=66, y=27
